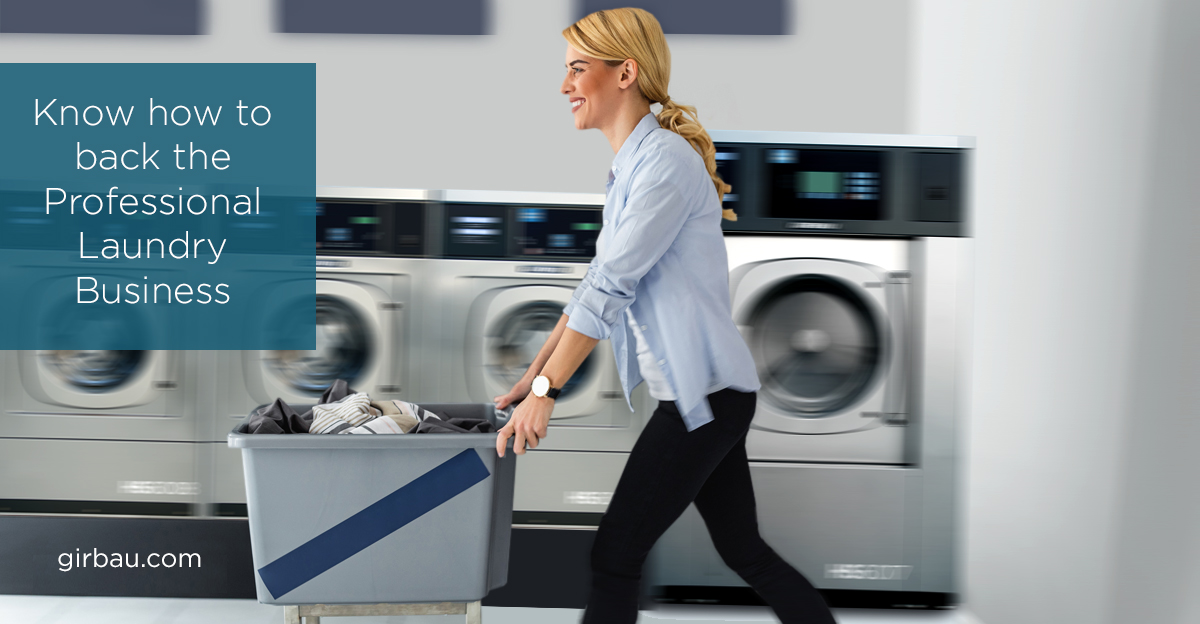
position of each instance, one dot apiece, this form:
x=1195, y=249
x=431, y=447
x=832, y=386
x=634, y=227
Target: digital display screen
x=556, y=232
x=824, y=184
x=729, y=166
x=475, y=230
x=349, y=226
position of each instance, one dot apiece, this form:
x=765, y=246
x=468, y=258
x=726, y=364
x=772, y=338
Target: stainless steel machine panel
x=570, y=482
x=863, y=506
x=99, y=470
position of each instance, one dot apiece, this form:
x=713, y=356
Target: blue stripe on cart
x=352, y=535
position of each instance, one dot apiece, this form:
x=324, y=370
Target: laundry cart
x=399, y=524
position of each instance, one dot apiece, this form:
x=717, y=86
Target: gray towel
x=456, y=425
x=434, y=423
x=279, y=417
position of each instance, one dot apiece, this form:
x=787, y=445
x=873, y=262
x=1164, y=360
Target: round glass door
x=93, y=371
x=816, y=344
x=518, y=338
x=343, y=348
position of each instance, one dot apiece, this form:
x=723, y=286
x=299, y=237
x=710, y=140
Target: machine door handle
x=895, y=400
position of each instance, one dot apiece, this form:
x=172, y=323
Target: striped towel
x=415, y=412
x=356, y=414
x=398, y=417
x=347, y=413
x=379, y=425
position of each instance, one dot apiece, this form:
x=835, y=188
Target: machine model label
x=812, y=225
x=587, y=498
x=867, y=572
x=323, y=263
x=178, y=488
x=555, y=270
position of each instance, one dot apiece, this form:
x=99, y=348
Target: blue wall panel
x=705, y=17
x=382, y=17
x=101, y=17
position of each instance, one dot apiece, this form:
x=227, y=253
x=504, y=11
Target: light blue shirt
x=664, y=257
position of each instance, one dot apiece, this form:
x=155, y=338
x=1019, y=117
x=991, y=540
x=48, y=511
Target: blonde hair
x=614, y=35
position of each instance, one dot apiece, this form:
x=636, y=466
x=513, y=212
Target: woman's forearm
x=572, y=349
x=544, y=354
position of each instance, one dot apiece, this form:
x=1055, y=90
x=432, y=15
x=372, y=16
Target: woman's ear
x=629, y=73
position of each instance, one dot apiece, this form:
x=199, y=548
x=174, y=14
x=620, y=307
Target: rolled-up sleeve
x=575, y=295
x=651, y=220
x=570, y=307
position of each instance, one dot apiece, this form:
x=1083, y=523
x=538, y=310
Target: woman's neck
x=623, y=123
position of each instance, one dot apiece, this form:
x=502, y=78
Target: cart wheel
x=475, y=612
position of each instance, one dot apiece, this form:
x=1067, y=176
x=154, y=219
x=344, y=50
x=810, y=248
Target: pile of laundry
x=342, y=410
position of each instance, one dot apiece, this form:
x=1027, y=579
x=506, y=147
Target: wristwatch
x=541, y=388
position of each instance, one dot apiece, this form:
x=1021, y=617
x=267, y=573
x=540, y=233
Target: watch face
x=540, y=385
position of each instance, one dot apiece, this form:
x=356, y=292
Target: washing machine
x=370, y=266
x=106, y=430
x=832, y=344
x=508, y=265
x=848, y=276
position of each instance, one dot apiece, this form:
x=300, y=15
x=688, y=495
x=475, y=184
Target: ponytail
x=682, y=120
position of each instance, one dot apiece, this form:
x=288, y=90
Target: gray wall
x=1156, y=568
x=1080, y=487
x=485, y=112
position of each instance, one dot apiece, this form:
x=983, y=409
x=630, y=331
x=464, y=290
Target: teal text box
x=158, y=206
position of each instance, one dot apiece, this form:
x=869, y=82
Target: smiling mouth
x=576, y=104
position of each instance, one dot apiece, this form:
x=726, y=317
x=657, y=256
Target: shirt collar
x=630, y=146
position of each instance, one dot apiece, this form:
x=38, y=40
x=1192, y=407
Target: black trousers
x=669, y=468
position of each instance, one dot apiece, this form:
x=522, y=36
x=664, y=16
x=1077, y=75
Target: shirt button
x=606, y=222
x=643, y=328
x=661, y=362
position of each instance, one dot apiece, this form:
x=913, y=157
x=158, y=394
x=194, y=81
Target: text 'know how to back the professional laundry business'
x=176, y=203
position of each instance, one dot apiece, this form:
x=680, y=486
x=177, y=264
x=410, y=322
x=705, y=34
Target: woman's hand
x=518, y=392
x=527, y=424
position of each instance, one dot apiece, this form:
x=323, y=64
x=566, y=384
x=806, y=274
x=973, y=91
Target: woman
x=658, y=288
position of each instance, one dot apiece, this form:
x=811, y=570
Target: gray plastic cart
x=379, y=524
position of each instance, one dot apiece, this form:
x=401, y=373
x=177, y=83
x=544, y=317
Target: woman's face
x=592, y=87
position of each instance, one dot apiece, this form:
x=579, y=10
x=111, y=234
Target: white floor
x=85, y=610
